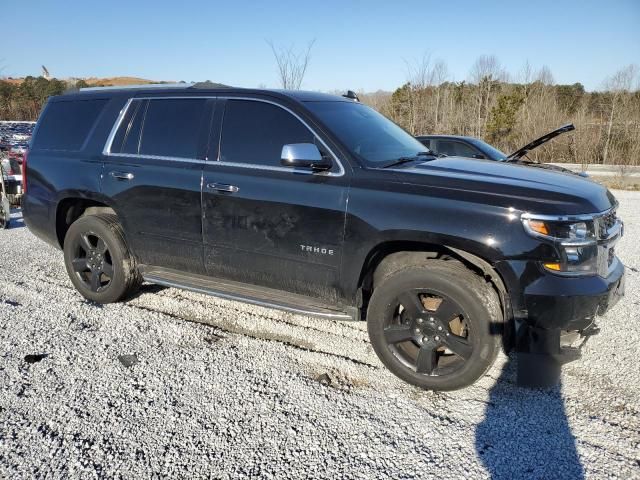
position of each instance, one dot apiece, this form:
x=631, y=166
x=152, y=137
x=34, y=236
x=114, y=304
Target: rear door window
x=127, y=138
x=454, y=148
x=426, y=142
x=254, y=132
x=464, y=150
x=66, y=125
x=172, y=127
x=446, y=147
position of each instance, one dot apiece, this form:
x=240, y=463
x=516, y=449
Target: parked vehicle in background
x=12, y=177
x=461, y=146
x=15, y=136
x=319, y=205
x=471, y=147
x=14, y=143
x=5, y=207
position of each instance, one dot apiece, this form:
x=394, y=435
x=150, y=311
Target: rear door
x=153, y=172
x=267, y=224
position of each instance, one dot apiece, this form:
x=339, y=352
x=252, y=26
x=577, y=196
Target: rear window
x=66, y=125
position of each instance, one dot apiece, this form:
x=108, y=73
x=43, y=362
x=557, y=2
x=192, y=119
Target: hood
x=507, y=184
x=518, y=154
x=549, y=166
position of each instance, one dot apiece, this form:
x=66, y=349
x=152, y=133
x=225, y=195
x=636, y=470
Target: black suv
x=319, y=205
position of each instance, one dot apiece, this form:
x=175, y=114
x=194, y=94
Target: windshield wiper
x=401, y=160
x=519, y=160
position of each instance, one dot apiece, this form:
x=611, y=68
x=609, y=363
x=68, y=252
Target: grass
x=620, y=182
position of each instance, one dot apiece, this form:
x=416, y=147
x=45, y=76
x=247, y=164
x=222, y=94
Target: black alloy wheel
x=92, y=262
x=437, y=325
x=428, y=332
x=98, y=260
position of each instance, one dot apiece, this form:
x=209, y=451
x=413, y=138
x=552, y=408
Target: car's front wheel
x=436, y=325
x=98, y=261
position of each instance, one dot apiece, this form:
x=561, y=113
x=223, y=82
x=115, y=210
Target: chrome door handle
x=122, y=175
x=222, y=187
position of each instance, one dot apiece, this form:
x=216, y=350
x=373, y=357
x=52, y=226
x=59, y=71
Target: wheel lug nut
x=431, y=319
x=439, y=327
x=417, y=330
x=436, y=338
x=425, y=339
x=420, y=320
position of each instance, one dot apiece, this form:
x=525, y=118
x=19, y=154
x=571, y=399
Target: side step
x=253, y=294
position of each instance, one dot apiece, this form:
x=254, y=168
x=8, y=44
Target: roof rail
x=131, y=87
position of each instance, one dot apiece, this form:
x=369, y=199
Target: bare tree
x=418, y=72
x=439, y=74
x=292, y=64
x=544, y=76
x=618, y=84
x=485, y=72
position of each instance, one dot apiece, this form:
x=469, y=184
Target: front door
x=267, y=224
x=153, y=172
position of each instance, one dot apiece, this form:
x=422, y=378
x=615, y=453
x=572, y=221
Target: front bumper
x=549, y=309
x=553, y=302
x=543, y=300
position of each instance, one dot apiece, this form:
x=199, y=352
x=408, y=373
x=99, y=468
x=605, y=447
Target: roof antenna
x=352, y=95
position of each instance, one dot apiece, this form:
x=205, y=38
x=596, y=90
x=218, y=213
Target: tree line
x=488, y=105
x=509, y=114
x=24, y=100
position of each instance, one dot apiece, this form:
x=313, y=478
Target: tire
x=449, y=333
x=5, y=215
x=98, y=261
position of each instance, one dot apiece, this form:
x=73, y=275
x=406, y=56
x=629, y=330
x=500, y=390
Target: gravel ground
x=215, y=388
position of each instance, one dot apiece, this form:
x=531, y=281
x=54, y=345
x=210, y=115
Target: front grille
x=605, y=223
x=608, y=236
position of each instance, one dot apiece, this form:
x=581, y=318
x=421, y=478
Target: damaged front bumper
x=555, y=313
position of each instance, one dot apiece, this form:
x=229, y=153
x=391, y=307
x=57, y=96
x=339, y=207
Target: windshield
x=369, y=135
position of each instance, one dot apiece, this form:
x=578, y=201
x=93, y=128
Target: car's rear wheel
x=5, y=215
x=98, y=261
x=436, y=326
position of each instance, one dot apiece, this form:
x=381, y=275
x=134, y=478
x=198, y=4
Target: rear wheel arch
x=70, y=209
x=98, y=261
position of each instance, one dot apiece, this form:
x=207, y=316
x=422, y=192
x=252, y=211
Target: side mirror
x=304, y=155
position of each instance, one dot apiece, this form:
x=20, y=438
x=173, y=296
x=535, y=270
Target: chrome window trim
x=158, y=157
x=108, y=144
x=123, y=111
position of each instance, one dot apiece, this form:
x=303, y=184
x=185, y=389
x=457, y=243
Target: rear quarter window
x=66, y=124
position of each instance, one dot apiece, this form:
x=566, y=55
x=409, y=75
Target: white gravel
x=224, y=389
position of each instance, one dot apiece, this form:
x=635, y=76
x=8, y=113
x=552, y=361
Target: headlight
x=575, y=241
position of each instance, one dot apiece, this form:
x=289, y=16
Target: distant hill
x=118, y=81
x=115, y=81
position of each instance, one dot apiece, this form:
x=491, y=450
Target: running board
x=242, y=292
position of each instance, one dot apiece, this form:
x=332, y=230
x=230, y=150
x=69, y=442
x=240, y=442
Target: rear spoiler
x=518, y=154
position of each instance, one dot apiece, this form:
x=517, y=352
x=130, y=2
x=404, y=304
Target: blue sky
x=360, y=45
